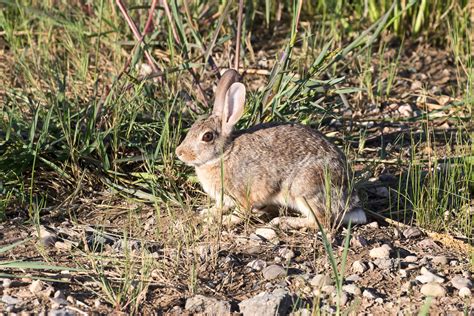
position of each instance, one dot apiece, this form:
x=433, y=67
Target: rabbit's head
x=207, y=138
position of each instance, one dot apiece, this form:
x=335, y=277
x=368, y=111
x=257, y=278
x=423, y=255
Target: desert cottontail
x=282, y=164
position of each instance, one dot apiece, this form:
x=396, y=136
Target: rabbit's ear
x=233, y=106
x=228, y=78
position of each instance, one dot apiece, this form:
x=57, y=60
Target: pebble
x=9, y=300
x=273, y=271
x=353, y=278
x=36, y=286
x=459, y=282
x=343, y=298
x=403, y=273
x=405, y=110
x=257, y=265
x=412, y=232
x=359, y=266
x=266, y=233
x=407, y=286
x=352, y=289
x=382, y=252
x=371, y=265
x=373, y=225
x=440, y=260
x=47, y=238
x=410, y=259
x=465, y=292
x=6, y=283
x=320, y=280
x=286, y=253
x=429, y=277
x=370, y=294
x=328, y=289
x=387, y=264
x=359, y=242
x=433, y=289
x=203, y=305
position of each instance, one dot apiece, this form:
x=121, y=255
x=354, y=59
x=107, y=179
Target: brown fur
x=270, y=164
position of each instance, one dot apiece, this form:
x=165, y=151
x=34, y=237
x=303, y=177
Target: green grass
x=74, y=121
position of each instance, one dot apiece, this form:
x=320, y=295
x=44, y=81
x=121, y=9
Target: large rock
x=207, y=305
x=267, y=304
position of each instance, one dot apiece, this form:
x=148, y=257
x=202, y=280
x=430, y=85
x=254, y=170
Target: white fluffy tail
x=355, y=216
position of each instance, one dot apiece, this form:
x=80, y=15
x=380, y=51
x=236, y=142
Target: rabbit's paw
x=287, y=222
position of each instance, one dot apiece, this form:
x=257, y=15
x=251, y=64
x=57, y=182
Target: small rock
x=412, y=232
x=374, y=225
x=440, y=260
x=59, y=294
x=429, y=277
x=36, y=286
x=9, y=300
x=458, y=282
x=416, y=85
x=352, y=289
x=62, y=245
x=286, y=253
x=410, y=259
x=302, y=312
x=379, y=300
x=405, y=110
x=403, y=273
x=381, y=252
x=370, y=294
x=97, y=303
x=266, y=304
x=428, y=244
x=407, y=286
x=371, y=265
x=343, y=298
x=359, y=242
x=266, y=233
x=353, y=278
x=320, y=280
x=465, y=292
x=273, y=271
x=433, y=289
x=47, y=238
x=257, y=265
x=328, y=289
x=359, y=267
x=386, y=264
x=6, y=283
x=207, y=306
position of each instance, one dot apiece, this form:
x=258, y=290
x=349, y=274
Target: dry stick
x=136, y=33
x=149, y=22
x=170, y=19
x=239, y=31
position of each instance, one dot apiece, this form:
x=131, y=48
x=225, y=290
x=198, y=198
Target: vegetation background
x=90, y=115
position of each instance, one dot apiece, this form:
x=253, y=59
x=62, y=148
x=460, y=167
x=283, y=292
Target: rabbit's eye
x=207, y=137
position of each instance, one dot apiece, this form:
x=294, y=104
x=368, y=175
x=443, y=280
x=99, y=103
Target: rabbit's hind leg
x=309, y=210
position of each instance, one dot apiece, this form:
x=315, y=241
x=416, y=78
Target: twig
x=239, y=31
x=136, y=33
x=170, y=20
x=149, y=22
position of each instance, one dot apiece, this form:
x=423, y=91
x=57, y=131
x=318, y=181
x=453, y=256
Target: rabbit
x=283, y=164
